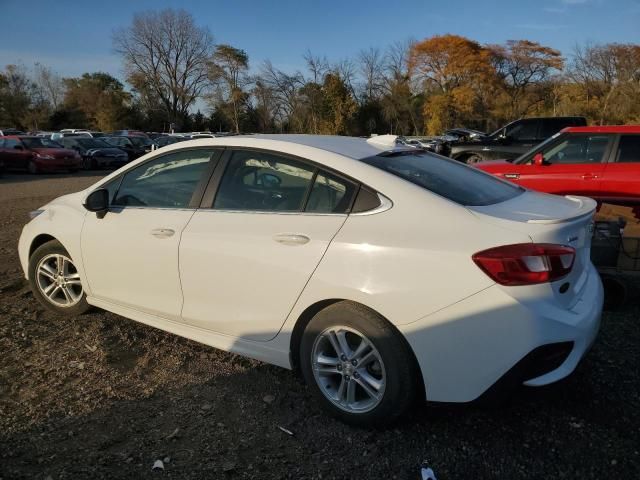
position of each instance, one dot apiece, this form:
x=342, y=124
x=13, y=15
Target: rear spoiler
x=586, y=207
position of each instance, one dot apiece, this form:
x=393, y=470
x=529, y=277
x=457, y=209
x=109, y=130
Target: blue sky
x=75, y=36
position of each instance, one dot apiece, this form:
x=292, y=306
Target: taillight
x=526, y=263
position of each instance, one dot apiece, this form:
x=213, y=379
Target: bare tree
x=371, y=66
x=49, y=84
x=228, y=71
x=169, y=53
x=285, y=88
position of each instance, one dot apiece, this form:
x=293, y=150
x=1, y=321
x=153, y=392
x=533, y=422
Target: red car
x=37, y=154
x=598, y=162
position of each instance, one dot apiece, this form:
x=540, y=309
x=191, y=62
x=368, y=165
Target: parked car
x=512, y=140
x=160, y=142
x=129, y=133
x=96, y=153
x=56, y=136
x=134, y=146
x=36, y=155
x=373, y=267
x=436, y=145
x=462, y=134
x=598, y=162
x=5, y=132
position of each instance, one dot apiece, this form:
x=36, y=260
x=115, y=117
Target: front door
x=245, y=261
x=131, y=255
x=572, y=166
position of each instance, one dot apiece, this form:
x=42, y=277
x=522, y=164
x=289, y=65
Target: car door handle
x=162, y=232
x=512, y=176
x=589, y=176
x=291, y=239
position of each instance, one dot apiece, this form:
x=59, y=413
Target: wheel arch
x=40, y=240
x=306, y=316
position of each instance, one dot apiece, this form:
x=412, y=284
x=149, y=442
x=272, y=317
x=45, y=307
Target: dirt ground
x=103, y=397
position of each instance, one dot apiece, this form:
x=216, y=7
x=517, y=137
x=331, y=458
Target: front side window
x=166, y=182
x=11, y=143
x=445, y=177
x=263, y=182
x=577, y=149
x=629, y=149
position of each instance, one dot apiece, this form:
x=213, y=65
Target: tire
x=32, y=167
x=66, y=295
x=473, y=159
x=387, y=367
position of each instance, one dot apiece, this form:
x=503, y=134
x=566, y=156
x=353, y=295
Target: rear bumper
x=490, y=341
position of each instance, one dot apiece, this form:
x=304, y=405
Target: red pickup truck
x=598, y=162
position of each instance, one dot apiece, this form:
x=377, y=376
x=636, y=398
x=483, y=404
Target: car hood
x=56, y=152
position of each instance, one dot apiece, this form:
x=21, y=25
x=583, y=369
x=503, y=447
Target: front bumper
x=483, y=340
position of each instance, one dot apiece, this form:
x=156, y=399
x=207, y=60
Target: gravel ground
x=103, y=397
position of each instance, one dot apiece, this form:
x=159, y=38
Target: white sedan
x=382, y=272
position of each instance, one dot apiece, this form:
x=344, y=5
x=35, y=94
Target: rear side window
x=448, y=178
x=330, y=194
x=262, y=181
x=629, y=149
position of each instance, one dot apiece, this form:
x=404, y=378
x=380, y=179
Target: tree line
x=410, y=88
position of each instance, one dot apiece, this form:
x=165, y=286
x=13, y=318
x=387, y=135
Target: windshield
x=92, y=143
x=40, y=143
x=448, y=178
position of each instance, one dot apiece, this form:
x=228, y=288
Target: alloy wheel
x=348, y=369
x=58, y=280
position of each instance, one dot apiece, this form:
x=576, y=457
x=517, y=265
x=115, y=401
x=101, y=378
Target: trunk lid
x=550, y=219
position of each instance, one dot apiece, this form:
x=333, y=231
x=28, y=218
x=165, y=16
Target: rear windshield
x=448, y=178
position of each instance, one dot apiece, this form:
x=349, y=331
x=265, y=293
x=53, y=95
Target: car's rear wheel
x=55, y=280
x=474, y=158
x=358, y=365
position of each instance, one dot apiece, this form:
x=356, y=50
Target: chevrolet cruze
x=382, y=272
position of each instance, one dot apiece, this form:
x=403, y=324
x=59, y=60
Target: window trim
x=197, y=194
x=212, y=188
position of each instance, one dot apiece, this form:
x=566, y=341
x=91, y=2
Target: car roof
x=604, y=129
x=352, y=147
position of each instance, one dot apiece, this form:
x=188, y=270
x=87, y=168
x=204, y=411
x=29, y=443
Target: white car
x=381, y=271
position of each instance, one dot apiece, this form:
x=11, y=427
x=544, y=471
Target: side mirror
x=538, y=159
x=98, y=202
x=19, y=147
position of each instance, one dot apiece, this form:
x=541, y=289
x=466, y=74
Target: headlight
x=34, y=213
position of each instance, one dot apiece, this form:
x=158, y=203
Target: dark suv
x=512, y=140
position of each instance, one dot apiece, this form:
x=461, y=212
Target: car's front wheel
x=358, y=365
x=55, y=280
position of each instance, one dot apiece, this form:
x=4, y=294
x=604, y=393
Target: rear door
x=621, y=179
x=573, y=165
x=246, y=256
